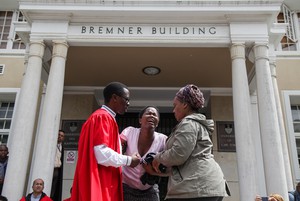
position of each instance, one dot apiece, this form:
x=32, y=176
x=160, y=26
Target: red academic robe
x=94, y=182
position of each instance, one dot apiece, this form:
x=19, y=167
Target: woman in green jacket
x=195, y=175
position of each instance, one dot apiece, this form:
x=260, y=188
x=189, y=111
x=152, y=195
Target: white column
x=285, y=152
x=23, y=128
x=242, y=121
x=270, y=135
x=260, y=175
x=42, y=98
x=47, y=133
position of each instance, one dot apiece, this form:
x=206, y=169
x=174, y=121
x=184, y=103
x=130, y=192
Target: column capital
x=237, y=51
x=261, y=51
x=36, y=48
x=60, y=48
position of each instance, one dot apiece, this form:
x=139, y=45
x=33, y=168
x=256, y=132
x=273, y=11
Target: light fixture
x=151, y=70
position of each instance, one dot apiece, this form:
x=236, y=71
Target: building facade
x=56, y=57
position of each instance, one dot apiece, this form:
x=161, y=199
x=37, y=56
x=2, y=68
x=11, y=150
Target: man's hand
x=136, y=159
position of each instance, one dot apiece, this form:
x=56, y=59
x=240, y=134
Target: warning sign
x=71, y=156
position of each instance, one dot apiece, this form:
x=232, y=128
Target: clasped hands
x=154, y=169
x=135, y=160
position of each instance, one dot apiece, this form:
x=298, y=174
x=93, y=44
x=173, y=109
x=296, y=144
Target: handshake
x=148, y=178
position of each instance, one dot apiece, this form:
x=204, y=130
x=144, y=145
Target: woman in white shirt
x=143, y=140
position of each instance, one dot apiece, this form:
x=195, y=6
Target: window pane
x=7, y=124
x=9, y=14
x=15, y=46
x=23, y=46
x=6, y=29
x=12, y=105
x=298, y=149
x=4, y=105
x=3, y=138
x=5, y=36
x=1, y=124
x=295, y=113
x=2, y=113
x=3, y=45
x=297, y=127
x=9, y=114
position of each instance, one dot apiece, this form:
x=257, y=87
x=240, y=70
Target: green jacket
x=195, y=173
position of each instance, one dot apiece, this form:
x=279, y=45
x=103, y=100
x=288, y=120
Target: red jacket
x=44, y=197
x=93, y=182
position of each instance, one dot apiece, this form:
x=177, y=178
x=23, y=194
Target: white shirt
x=108, y=157
x=131, y=176
x=32, y=198
x=57, y=162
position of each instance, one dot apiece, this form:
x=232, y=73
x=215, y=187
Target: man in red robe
x=98, y=174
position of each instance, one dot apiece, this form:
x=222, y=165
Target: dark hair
x=3, y=198
x=113, y=88
x=145, y=108
x=61, y=131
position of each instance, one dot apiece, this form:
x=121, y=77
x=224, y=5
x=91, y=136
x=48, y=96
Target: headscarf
x=191, y=95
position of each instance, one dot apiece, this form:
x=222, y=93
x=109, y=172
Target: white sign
x=184, y=30
x=71, y=156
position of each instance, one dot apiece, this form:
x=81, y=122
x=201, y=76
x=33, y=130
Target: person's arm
x=108, y=157
x=149, y=169
x=185, y=138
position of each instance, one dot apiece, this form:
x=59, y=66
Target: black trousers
x=55, y=190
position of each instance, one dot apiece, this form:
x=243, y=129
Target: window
x=296, y=117
x=292, y=108
x=18, y=43
x=289, y=41
x=8, y=38
x=2, y=69
x=6, y=112
x=5, y=23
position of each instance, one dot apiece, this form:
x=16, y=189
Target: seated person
x=37, y=194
